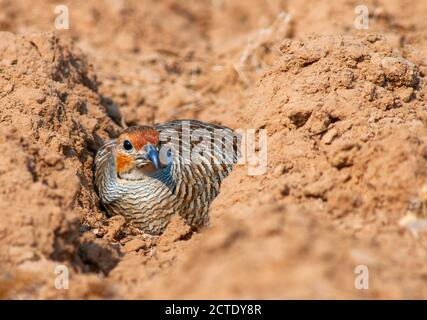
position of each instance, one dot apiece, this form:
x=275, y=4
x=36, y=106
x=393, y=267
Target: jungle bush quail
x=150, y=173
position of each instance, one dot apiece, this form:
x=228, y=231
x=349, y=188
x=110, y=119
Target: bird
x=150, y=173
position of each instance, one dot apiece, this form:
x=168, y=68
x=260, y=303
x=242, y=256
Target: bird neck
x=106, y=177
x=163, y=175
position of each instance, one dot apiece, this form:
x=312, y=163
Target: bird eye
x=127, y=145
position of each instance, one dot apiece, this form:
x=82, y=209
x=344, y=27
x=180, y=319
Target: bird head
x=137, y=148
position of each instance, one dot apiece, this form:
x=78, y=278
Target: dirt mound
x=52, y=120
x=346, y=116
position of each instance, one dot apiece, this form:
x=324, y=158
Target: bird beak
x=152, y=155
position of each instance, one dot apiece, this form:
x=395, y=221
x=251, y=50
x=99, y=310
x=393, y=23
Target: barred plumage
x=194, y=159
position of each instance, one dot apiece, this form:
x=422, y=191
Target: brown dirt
x=346, y=121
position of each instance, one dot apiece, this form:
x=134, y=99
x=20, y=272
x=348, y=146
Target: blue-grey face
x=151, y=154
x=165, y=155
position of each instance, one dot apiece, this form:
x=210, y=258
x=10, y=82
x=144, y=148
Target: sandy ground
x=345, y=118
